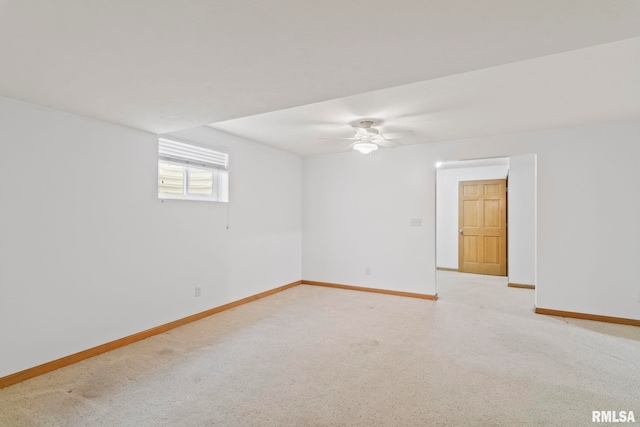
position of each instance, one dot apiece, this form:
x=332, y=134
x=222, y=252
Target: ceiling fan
x=367, y=138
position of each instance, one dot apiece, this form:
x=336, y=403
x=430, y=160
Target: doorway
x=521, y=206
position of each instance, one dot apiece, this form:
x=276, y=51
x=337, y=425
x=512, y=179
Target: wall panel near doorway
x=522, y=219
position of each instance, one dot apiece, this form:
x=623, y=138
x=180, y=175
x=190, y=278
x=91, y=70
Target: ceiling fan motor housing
x=364, y=128
x=366, y=123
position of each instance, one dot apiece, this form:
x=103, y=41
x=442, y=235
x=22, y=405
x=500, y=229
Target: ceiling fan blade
x=340, y=139
x=386, y=144
x=399, y=135
x=350, y=146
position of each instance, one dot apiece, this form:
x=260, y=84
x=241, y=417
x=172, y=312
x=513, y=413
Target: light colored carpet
x=313, y=356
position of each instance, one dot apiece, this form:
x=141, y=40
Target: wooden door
x=482, y=238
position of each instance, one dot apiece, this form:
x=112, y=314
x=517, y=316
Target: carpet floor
x=314, y=356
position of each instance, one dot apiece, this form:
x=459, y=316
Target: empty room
x=319, y=213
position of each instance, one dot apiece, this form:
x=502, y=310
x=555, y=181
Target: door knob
x=461, y=231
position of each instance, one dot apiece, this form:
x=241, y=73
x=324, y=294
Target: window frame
x=185, y=164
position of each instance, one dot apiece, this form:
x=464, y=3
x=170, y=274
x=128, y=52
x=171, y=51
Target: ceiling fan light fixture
x=365, y=147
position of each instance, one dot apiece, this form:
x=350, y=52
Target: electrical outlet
x=415, y=222
x=198, y=291
x=367, y=271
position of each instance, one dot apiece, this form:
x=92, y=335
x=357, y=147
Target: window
x=192, y=172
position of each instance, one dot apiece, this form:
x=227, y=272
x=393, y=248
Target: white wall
x=447, y=221
x=522, y=219
x=88, y=254
x=356, y=211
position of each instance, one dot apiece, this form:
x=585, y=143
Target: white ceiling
x=165, y=65
x=591, y=85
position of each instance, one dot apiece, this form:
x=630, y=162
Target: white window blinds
x=192, y=172
x=192, y=155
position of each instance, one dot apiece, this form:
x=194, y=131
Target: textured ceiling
x=165, y=65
